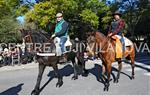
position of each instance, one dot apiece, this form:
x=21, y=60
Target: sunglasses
x=59, y=17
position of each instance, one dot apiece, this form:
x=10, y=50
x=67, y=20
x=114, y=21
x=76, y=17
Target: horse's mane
x=40, y=36
x=100, y=34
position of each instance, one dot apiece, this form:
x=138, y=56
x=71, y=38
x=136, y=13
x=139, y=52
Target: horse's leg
x=132, y=66
x=103, y=72
x=36, y=90
x=81, y=62
x=60, y=80
x=84, y=70
x=119, y=70
x=108, y=69
x=75, y=66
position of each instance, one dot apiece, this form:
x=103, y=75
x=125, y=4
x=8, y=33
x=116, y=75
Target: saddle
x=62, y=57
x=58, y=47
x=119, y=46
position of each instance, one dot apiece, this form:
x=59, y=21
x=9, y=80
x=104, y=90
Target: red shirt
x=119, y=28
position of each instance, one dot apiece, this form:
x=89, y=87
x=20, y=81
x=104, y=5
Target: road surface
x=20, y=80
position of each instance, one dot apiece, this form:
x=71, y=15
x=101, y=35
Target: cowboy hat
x=117, y=13
x=59, y=15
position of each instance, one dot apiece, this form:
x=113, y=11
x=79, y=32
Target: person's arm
x=119, y=28
x=109, y=29
x=63, y=30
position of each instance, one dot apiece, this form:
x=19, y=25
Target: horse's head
x=91, y=41
x=91, y=37
x=27, y=39
x=94, y=41
x=26, y=36
x=37, y=41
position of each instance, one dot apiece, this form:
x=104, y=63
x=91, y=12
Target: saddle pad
x=68, y=43
x=127, y=41
x=46, y=54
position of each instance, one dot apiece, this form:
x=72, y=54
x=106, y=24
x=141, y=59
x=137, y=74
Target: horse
x=43, y=37
x=99, y=45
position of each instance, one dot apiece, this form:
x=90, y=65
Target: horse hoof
x=85, y=74
x=132, y=77
x=74, y=77
x=106, y=88
x=59, y=84
x=116, y=81
x=35, y=92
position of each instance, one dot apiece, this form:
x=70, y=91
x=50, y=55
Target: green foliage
x=92, y=18
x=101, y=10
x=134, y=16
x=76, y=12
x=44, y=12
x=8, y=24
x=4, y=9
x=22, y=10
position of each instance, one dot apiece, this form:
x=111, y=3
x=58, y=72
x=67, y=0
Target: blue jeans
x=123, y=43
x=62, y=43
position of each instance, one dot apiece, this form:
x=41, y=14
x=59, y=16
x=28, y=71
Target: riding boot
x=123, y=54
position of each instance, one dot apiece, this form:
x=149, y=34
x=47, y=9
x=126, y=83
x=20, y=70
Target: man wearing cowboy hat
x=116, y=28
x=61, y=31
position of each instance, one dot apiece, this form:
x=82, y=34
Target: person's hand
x=53, y=36
x=110, y=34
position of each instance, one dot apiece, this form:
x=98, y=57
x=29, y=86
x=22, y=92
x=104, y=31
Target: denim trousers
x=123, y=43
x=62, y=43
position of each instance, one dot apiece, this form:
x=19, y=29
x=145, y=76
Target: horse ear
x=29, y=33
x=92, y=33
x=21, y=30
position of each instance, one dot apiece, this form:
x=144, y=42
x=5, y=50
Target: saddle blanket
x=127, y=41
x=68, y=42
x=46, y=54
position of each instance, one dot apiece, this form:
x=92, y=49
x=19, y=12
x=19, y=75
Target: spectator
x=7, y=56
x=1, y=58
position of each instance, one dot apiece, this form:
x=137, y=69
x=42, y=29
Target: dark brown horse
x=53, y=61
x=99, y=46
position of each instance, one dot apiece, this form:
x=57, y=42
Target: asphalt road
x=22, y=79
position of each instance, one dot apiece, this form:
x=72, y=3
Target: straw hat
x=59, y=15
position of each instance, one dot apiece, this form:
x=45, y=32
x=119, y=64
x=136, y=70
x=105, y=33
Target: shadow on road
x=97, y=72
x=139, y=66
x=143, y=58
x=13, y=90
x=65, y=71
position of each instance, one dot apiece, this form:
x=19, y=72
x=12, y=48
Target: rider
x=61, y=31
x=116, y=28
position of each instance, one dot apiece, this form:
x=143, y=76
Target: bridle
x=28, y=36
x=105, y=43
x=28, y=41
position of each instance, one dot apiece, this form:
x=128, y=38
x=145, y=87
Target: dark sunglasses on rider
x=59, y=17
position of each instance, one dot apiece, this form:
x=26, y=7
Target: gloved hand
x=53, y=36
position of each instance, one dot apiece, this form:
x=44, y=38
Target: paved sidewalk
x=18, y=67
x=89, y=64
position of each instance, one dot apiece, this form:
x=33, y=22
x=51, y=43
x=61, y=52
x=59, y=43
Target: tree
x=133, y=10
x=134, y=14
x=8, y=24
x=83, y=15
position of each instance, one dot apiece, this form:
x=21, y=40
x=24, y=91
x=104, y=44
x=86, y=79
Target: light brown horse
x=103, y=47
